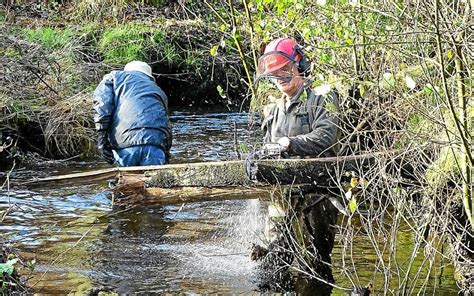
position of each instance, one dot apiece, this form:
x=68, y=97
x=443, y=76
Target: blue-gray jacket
x=133, y=110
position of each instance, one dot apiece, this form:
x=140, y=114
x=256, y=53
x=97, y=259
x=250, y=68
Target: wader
x=306, y=233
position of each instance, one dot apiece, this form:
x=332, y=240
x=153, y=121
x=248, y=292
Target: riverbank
x=54, y=57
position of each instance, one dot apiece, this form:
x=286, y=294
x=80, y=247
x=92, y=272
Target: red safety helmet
x=279, y=53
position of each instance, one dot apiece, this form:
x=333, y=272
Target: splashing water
x=225, y=255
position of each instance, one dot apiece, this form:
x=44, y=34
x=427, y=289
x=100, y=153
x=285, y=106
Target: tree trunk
x=317, y=171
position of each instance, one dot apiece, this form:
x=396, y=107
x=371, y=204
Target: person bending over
x=132, y=117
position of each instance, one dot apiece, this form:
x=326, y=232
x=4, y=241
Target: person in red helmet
x=302, y=124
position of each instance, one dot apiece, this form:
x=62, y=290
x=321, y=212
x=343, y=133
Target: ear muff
x=303, y=64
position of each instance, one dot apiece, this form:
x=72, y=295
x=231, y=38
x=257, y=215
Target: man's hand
x=284, y=143
x=105, y=149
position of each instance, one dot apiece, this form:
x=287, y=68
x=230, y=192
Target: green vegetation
x=414, y=83
x=10, y=265
x=193, y=58
x=67, y=59
x=125, y=43
x=49, y=37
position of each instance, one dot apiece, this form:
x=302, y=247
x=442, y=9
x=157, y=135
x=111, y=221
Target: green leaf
x=332, y=44
x=280, y=9
x=213, y=50
x=325, y=58
x=306, y=32
x=450, y=54
x=5, y=268
x=8, y=267
x=244, y=148
x=388, y=81
x=221, y=91
x=330, y=107
x=353, y=204
x=428, y=89
x=361, y=90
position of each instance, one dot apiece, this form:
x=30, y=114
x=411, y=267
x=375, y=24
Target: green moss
x=443, y=168
x=49, y=37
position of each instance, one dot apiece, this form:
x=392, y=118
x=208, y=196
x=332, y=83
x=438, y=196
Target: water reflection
x=201, y=137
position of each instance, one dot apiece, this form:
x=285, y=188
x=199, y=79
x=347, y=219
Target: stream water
x=81, y=242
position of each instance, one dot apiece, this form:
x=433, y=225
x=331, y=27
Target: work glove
x=282, y=145
x=272, y=149
x=105, y=149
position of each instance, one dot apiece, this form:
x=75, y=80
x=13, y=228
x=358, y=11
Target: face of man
x=287, y=79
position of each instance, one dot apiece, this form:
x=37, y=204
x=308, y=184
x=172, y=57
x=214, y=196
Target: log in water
x=222, y=178
x=318, y=171
x=231, y=180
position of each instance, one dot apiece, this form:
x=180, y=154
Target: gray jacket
x=133, y=110
x=310, y=123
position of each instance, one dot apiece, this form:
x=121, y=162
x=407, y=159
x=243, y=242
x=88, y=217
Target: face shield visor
x=275, y=65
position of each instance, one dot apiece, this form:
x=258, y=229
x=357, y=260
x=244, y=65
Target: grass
x=135, y=41
x=49, y=37
x=106, y=10
x=170, y=53
x=193, y=58
x=124, y=43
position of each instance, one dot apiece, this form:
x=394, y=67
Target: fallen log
x=222, y=173
x=234, y=179
x=132, y=190
x=228, y=179
x=317, y=171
